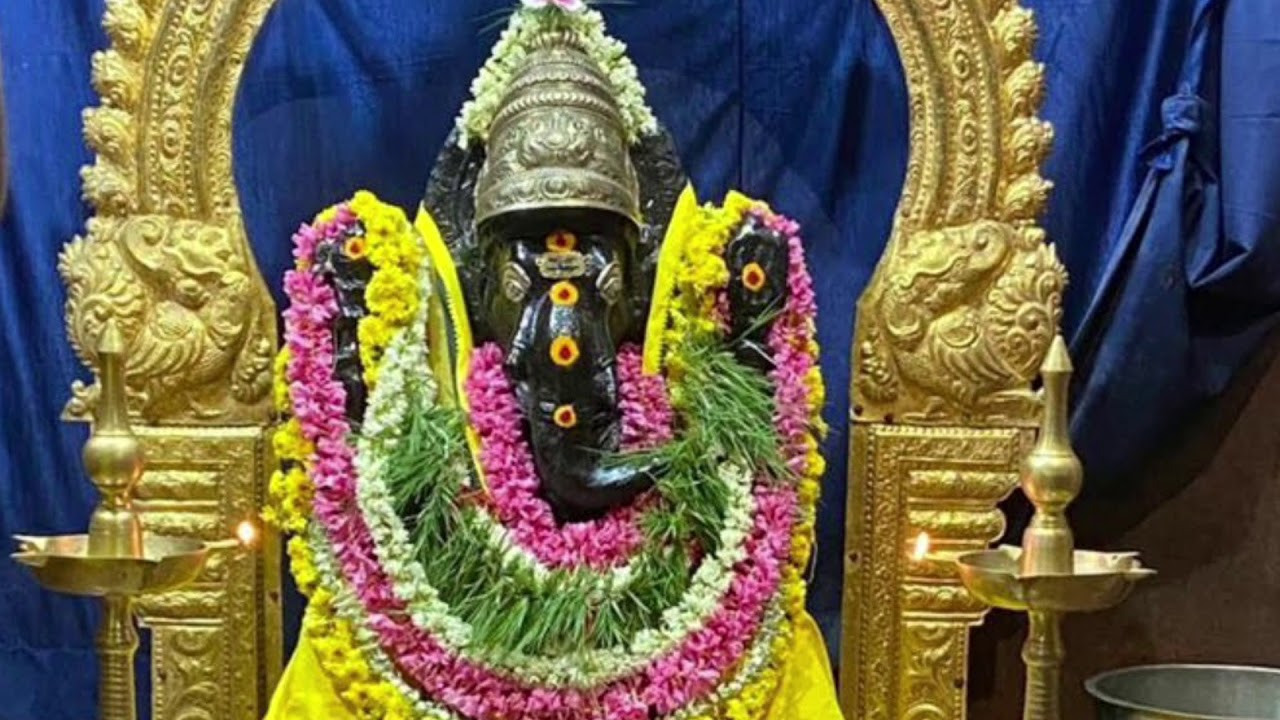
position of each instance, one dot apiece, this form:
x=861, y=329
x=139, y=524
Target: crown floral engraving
x=558, y=139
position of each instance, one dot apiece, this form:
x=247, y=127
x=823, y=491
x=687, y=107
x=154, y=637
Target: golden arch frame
x=933, y=450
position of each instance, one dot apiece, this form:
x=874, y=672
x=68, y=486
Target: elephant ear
x=662, y=180
x=450, y=202
x=451, y=193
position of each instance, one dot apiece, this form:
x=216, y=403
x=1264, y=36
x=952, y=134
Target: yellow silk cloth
x=806, y=692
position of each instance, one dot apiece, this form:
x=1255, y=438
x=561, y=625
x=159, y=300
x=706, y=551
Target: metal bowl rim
x=1091, y=685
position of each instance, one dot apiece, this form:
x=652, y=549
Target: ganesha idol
x=551, y=450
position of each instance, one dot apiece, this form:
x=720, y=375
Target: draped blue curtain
x=1166, y=168
x=1191, y=283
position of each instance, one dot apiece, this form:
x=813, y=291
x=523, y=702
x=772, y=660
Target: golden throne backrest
x=950, y=332
x=967, y=296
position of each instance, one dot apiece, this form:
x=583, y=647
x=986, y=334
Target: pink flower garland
x=647, y=420
x=476, y=691
x=512, y=477
x=672, y=681
x=791, y=341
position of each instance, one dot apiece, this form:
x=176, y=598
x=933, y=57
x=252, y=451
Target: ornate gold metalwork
x=1047, y=577
x=116, y=560
x=950, y=332
x=166, y=254
x=216, y=644
x=558, y=140
x=907, y=619
x=166, y=257
x=967, y=297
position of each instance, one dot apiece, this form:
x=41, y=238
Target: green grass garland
x=726, y=411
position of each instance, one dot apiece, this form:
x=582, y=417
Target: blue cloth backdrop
x=1167, y=167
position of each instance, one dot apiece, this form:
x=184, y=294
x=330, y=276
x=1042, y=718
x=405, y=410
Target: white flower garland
x=347, y=607
x=613, y=579
x=403, y=373
x=490, y=86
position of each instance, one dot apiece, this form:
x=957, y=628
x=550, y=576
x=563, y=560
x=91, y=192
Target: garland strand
x=407, y=632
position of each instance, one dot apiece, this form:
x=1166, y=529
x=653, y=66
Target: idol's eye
x=515, y=282
x=609, y=282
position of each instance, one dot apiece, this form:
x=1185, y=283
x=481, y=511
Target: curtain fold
x=47, y=664
x=1193, y=283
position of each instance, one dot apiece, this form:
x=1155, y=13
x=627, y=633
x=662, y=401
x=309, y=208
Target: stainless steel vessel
x=1187, y=692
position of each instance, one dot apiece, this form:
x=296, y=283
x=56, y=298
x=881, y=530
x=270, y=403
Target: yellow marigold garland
x=396, y=253
x=334, y=640
x=393, y=249
x=700, y=274
x=392, y=302
x=691, y=309
x=290, y=494
x=302, y=566
x=280, y=384
x=290, y=445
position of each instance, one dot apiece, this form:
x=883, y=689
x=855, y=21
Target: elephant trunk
x=564, y=363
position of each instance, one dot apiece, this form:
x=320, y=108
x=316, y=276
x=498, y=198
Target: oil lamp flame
x=922, y=547
x=247, y=533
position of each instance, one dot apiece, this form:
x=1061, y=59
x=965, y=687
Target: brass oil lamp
x=1047, y=576
x=117, y=560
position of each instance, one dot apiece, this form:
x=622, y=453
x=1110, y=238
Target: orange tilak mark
x=562, y=241
x=565, y=416
x=355, y=248
x=564, y=294
x=753, y=277
x=564, y=351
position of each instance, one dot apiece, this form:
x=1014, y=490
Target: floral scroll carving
x=950, y=332
x=178, y=289
x=968, y=296
x=166, y=254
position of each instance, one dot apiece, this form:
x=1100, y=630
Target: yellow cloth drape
x=806, y=692
x=305, y=692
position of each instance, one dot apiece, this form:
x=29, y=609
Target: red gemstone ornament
x=564, y=294
x=565, y=416
x=355, y=248
x=564, y=351
x=562, y=241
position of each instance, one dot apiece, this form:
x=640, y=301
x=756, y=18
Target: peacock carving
x=968, y=296
x=963, y=317
x=178, y=289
